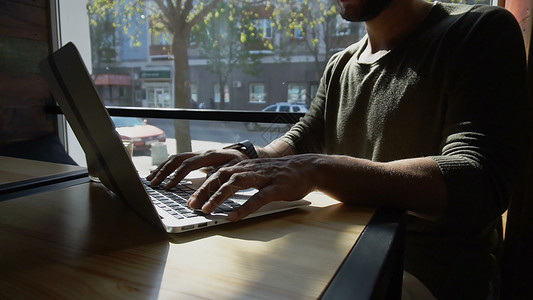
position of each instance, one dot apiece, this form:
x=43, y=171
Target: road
x=222, y=132
x=205, y=135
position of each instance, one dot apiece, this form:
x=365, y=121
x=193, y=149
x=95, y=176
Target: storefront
x=157, y=87
x=114, y=89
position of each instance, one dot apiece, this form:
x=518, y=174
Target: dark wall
x=24, y=41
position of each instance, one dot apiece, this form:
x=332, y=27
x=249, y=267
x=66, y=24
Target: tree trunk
x=181, y=92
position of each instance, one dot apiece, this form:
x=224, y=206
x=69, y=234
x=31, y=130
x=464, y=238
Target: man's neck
x=394, y=24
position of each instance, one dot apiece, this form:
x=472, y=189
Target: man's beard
x=368, y=10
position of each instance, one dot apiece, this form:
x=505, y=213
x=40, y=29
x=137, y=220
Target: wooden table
x=18, y=169
x=81, y=242
x=19, y=175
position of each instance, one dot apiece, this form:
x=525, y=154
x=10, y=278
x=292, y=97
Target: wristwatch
x=246, y=147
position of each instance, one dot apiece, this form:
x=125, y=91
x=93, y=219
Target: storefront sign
x=155, y=74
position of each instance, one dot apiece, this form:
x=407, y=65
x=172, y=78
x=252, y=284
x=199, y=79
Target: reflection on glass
x=254, y=50
x=204, y=135
x=228, y=55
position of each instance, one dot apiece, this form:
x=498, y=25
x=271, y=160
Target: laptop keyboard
x=174, y=200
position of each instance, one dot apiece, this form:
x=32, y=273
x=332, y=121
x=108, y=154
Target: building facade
x=141, y=73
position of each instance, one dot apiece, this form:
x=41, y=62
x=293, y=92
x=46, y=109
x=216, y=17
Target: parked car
x=286, y=107
x=139, y=132
x=278, y=107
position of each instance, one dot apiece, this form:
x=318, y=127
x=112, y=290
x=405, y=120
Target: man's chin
x=362, y=12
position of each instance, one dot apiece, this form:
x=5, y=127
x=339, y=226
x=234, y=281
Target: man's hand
x=287, y=178
x=183, y=164
x=407, y=183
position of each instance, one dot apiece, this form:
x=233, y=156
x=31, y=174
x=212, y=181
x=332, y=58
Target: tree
x=306, y=23
x=224, y=38
x=176, y=17
x=103, y=40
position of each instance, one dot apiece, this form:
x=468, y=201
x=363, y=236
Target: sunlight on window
x=262, y=53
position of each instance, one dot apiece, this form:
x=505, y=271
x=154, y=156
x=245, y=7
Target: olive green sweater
x=455, y=91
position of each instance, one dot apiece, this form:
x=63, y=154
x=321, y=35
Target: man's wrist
x=261, y=153
x=245, y=147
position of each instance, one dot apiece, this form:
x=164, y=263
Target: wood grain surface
x=82, y=243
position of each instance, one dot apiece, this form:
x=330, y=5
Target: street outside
x=205, y=135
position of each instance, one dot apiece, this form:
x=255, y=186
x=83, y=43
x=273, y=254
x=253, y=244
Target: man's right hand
x=182, y=164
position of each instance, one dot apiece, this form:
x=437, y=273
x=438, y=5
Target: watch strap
x=246, y=147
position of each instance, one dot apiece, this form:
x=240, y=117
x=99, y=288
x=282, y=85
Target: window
x=271, y=108
x=264, y=28
x=284, y=108
x=298, y=33
x=217, y=93
x=130, y=45
x=257, y=93
x=159, y=96
x=194, y=95
x=296, y=93
x=140, y=45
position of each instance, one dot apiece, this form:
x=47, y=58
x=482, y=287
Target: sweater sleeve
x=486, y=126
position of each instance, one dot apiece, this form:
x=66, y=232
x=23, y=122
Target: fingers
x=258, y=200
x=188, y=165
x=222, y=185
x=167, y=167
x=225, y=183
x=273, y=178
x=182, y=164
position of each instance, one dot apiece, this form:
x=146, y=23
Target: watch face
x=245, y=147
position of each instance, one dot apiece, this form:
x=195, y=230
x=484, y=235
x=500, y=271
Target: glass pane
x=257, y=92
x=262, y=52
x=236, y=44
x=204, y=135
x=296, y=93
x=218, y=93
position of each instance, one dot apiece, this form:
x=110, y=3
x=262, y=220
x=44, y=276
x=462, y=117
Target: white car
x=278, y=107
x=286, y=107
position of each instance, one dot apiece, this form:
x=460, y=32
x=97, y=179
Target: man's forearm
x=414, y=184
x=277, y=148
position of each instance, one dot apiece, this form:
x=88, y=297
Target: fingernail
x=209, y=207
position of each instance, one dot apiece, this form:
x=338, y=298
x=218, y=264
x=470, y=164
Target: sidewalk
x=143, y=163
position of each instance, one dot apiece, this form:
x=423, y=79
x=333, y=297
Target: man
x=427, y=113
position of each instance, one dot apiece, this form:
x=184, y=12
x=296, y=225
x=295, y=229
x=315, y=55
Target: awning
x=112, y=79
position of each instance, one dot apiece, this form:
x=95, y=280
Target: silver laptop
x=74, y=90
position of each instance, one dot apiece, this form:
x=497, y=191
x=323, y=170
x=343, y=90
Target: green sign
x=155, y=74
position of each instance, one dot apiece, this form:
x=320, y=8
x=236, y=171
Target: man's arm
x=414, y=184
x=277, y=148
x=182, y=164
x=407, y=183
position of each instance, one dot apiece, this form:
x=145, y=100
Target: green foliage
x=166, y=18
x=124, y=14
x=108, y=16
x=304, y=25
x=306, y=16
x=226, y=37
